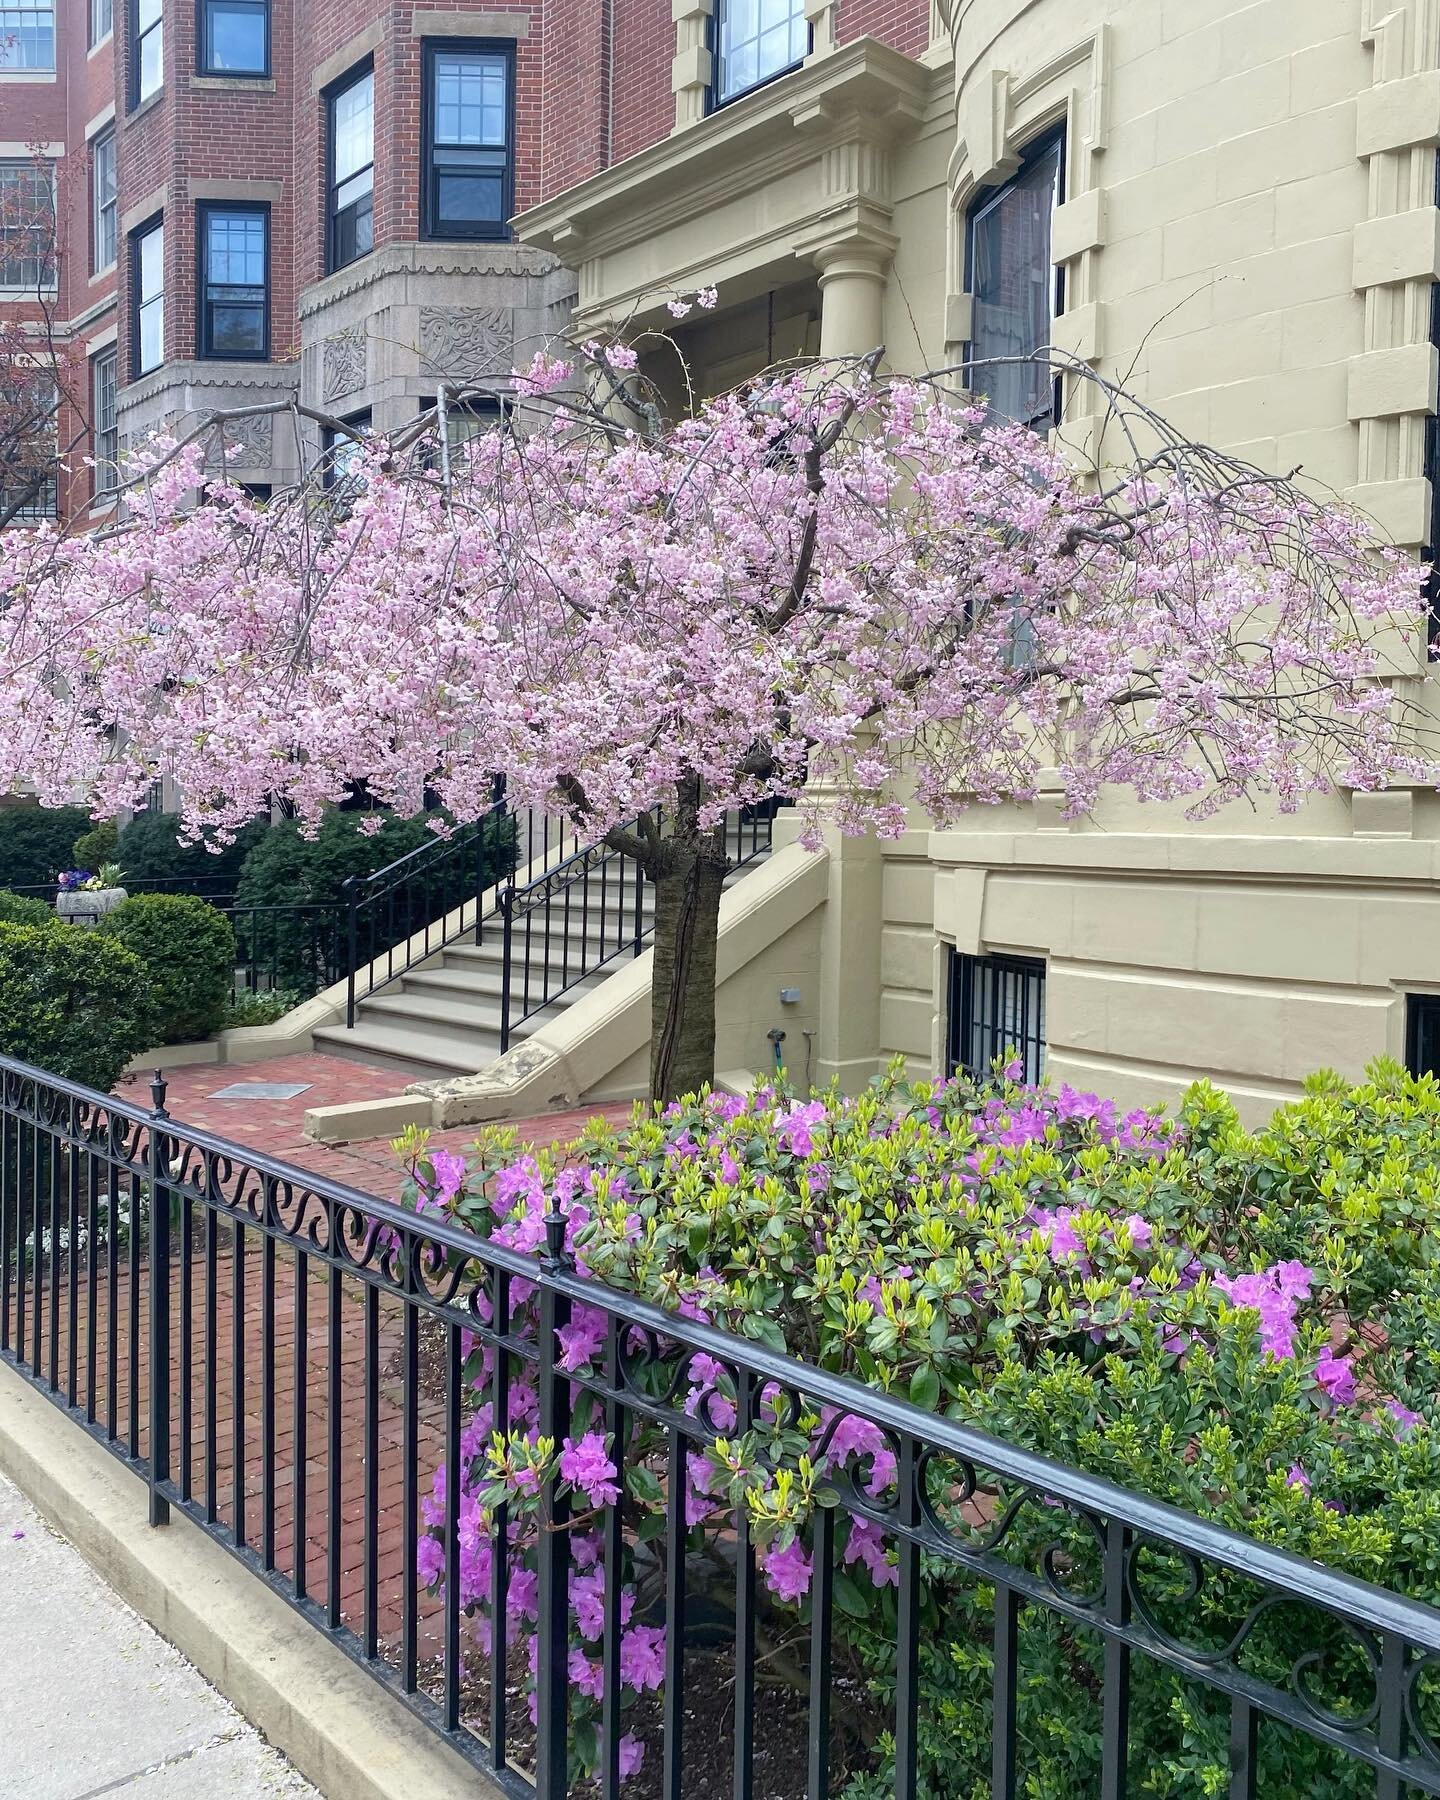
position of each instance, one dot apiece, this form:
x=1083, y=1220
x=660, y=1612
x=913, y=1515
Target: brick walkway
x=229, y=1410
x=275, y=1126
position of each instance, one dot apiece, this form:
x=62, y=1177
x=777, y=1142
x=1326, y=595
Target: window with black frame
x=350, y=191
x=996, y=1008
x=1422, y=1034
x=104, y=423
x=147, y=288
x=102, y=21
x=341, y=450
x=466, y=418
x=234, y=244
x=756, y=40
x=468, y=172
x=1015, y=289
x=234, y=37
x=147, y=50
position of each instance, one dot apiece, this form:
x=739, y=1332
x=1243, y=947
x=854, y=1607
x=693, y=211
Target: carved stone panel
x=467, y=341
x=248, y=442
x=344, y=363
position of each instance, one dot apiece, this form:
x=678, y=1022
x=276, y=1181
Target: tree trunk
x=682, y=989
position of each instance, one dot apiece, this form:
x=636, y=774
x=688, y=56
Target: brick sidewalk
x=276, y=1126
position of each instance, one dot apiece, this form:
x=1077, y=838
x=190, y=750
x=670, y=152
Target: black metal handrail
x=434, y=895
x=206, y=1264
x=539, y=961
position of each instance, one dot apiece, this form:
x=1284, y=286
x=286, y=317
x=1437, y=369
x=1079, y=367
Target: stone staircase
x=442, y=1017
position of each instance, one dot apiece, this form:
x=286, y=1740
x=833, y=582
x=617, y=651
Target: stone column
x=853, y=264
x=852, y=296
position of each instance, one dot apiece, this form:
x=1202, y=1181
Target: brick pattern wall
x=903, y=24
x=644, y=52
x=572, y=138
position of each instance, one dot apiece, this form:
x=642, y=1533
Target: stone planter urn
x=83, y=906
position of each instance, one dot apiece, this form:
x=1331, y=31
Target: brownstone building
x=260, y=199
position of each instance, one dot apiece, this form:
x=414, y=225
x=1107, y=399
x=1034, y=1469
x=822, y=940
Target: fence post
x=553, y=1596
x=351, y=949
x=159, y=1303
x=507, y=919
x=639, y=906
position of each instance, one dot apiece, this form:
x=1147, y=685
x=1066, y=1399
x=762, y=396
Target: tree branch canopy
x=826, y=581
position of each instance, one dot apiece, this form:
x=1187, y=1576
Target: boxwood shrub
x=1245, y=1324
x=23, y=909
x=188, y=948
x=76, y=1003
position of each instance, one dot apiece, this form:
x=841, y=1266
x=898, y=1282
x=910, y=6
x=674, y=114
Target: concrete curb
x=339, y=1727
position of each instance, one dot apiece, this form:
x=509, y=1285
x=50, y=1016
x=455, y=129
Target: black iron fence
x=290, y=1362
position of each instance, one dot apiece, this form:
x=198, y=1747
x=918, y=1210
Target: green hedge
x=21, y=909
x=37, y=842
x=286, y=869
x=188, y=947
x=75, y=1002
x=150, y=850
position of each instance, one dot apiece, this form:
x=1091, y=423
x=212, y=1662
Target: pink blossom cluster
x=600, y=613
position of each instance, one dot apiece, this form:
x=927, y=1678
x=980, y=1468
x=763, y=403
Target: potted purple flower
x=84, y=897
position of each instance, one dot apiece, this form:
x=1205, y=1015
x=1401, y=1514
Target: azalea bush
x=1246, y=1325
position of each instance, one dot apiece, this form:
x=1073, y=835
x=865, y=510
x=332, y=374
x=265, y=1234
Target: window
x=29, y=488
x=27, y=226
x=103, y=373
x=102, y=21
x=465, y=419
x=234, y=245
x=468, y=173
x=147, y=265
x=235, y=37
x=27, y=34
x=997, y=1005
x=351, y=188
x=147, y=54
x=1422, y=1034
x=102, y=181
x=1015, y=288
x=756, y=40
x=340, y=451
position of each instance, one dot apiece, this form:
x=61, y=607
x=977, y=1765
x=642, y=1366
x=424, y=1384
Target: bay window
x=147, y=288
x=755, y=40
x=350, y=190
x=234, y=246
x=468, y=163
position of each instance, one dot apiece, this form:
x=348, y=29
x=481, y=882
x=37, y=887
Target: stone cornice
x=172, y=375
x=865, y=92
x=424, y=259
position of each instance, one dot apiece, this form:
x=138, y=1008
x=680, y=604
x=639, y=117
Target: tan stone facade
x=1248, y=234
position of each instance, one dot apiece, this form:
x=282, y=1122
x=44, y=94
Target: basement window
x=996, y=1008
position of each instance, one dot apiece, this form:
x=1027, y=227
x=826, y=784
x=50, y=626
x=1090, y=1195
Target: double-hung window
x=235, y=37
x=1015, y=288
x=234, y=245
x=104, y=427
x=147, y=279
x=102, y=195
x=27, y=34
x=350, y=196
x=469, y=137
x=27, y=226
x=102, y=21
x=755, y=40
x=339, y=451
x=147, y=54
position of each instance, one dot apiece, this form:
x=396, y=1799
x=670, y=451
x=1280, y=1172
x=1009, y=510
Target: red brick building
x=264, y=199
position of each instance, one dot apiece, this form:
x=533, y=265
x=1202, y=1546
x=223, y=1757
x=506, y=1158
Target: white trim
x=36, y=77
x=102, y=340
x=28, y=152
x=105, y=116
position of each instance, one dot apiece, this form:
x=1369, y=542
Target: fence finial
x=555, y=1256
x=158, y=1088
